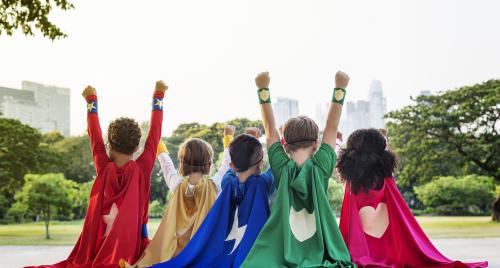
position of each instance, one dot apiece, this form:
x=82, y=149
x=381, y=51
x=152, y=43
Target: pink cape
x=402, y=244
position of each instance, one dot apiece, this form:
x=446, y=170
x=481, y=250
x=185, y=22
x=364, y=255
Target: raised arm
x=332, y=122
x=94, y=130
x=172, y=178
x=147, y=158
x=226, y=158
x=262, y=81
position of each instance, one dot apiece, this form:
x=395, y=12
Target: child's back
x=117, y=214
x=301, y=230
x=377, y=225
x=232, y=225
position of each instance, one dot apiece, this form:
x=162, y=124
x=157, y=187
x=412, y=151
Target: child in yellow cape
x=193, y=196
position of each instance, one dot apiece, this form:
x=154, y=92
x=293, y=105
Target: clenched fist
x=88, y=91
x=253, y=131
x=161, y=86
x=229, y=130
x=341, y=80
x=262, y=80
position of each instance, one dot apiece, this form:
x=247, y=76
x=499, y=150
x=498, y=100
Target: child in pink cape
x=377, y=225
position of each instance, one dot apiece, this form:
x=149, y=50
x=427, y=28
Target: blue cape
x=223, y=240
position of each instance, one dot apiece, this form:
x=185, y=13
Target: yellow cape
x=183, y=215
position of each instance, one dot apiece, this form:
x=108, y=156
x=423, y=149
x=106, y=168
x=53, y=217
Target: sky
x=209, y=52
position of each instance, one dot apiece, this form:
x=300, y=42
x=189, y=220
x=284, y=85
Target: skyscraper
x=377, y=105
x=365, y=114
x=46, y=108
x=284, y=108
x=322, y=114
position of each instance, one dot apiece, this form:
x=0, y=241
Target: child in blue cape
x=232, y=225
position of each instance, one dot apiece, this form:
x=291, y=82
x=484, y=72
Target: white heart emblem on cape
x=302, y=224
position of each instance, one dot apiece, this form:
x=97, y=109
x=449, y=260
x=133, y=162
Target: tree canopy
x=454, y=133
x=28, y=16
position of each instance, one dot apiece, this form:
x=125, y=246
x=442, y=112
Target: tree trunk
x=47, y=220
x=495, y=209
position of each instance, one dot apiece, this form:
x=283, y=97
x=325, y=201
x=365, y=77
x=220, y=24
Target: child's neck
x=243, y=176
x=301, y=155
x=194, y=178
x=121, y=159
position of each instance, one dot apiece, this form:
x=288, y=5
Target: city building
x=46, y=108
x=322, y=114
x=284, y=108
x=365, y=113
x=377, y=104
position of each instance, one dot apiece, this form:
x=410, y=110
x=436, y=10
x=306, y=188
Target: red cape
x=123, y=187
x=402, y=244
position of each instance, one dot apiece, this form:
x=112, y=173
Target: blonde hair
x=195, y=155
x=300, y=132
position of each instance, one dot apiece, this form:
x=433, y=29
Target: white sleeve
x=224, y=167
x=170, y=174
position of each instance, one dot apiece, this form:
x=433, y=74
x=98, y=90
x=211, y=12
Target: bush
x=335, y=195
x=17, y=212
x=155, y=209
x=467, y=195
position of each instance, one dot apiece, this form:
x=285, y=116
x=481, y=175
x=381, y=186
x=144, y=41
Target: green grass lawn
x=66, y=233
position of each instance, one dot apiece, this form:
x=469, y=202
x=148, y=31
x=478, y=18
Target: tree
x=468, y=195
x=29, y=15
x=156, y=209
x=78, y=162
x=52, y=137
x=46, y=195
x=81, y=199
x=453, y=133
x=18, y=155
x=496, y=206
x=335, y=195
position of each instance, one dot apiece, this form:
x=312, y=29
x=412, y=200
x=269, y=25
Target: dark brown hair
x=300, y=132
x=195, y=155
x=245, y=152
x=124, y=135
x=366, y=162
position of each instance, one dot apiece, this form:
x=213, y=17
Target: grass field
x=66, y=233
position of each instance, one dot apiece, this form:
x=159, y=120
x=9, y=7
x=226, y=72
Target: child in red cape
x=377, y=225
x=115, y=223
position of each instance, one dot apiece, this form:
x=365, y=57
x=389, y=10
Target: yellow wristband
x=162, y=148
x=227, y=140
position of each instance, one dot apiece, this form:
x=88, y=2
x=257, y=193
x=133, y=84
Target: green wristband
x=264, y=95
x=338, y=95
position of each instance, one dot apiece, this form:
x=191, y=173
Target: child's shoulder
x=324, y=153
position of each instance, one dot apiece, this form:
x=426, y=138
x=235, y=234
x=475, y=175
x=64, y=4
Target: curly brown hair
x=124, y=135
x=366, y=162
x=195, y=155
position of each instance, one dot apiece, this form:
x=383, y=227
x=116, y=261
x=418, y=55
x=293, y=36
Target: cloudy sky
x=209, y=52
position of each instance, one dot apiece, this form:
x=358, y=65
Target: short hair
x=366, y=162
x=245, y=151
x=300, y=132
x=124, y=135
x=195, y=155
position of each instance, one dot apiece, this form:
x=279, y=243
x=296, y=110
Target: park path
x=455, y=248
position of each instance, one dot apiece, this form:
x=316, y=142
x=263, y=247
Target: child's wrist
x=338, y=95
x=264, y=95
x=90, y=98
x=91, y=104
x=162, y=148
x=157, y=104
x=228, y=138
x=159, y=94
